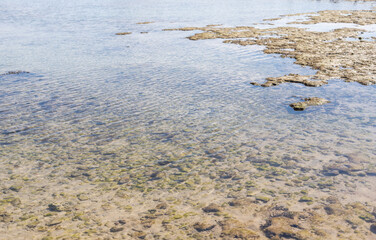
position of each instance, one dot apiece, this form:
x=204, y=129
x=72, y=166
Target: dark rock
x=164, y=162
x=212, y=208
x=124, y=179
x=116, y=229
x=5, y=217
x=373, y=228
x=233, y=229
x=162, y=206
x=203, y=226
x=54, y=208
x=54, y=222
x=311, y=101
x=157, y=175
x=334, y=209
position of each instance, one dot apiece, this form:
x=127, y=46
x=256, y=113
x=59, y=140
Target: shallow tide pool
x=155, y=117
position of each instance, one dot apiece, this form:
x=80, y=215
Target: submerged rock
x=234, y=229
x=203, y=226
x=116, y=229
x=311, y=101
x=282, y=227
x=212, y=208
x=5, y=217
x=373, y=228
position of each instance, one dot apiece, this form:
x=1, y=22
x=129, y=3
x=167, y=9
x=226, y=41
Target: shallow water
x=92, y=96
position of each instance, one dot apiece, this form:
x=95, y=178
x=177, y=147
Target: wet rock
x=282, y=227
x=55, y=207
x=341, y=168
x=226, y=175
x=368, y=217
x=123, y=33
x=54, y=222
x=332, y=200
x=299, y=106
x=116, y=229
x=334, y=209
x=212, y=208
x=232, y=229
x=158, y=175
x=15, y=188
x=32, y=224
x=373, y=228
x=239, y=202
x=16, y=202
x=139, y=234
x=162, y=206
x=312, y=101
x=82, y=197
x=124, y=179
x=5, y=217
x=263, y=199
x=306, y=199
x=164, y=162
x=203, y=226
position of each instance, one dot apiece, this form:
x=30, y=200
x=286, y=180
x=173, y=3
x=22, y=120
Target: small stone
x=311, y=101
x=124, y=179
x=332, y=200
x=262, y=199
x=233, y=229
x=306, y=199
x=32, y=224
x=116, y=229
x=54, y=208
x=212, y=208
x=54, y=222
x=333, y=209
x=203, y=226
x=5, y=217
x=82, y=197
x=123, y=33
x=158, y=175
x=122, y=222
x=238, y=202
x=164, y=162
x=16, y=202
x=162, y=206
x=15, y=188
x=299, y=106
x=373, y=228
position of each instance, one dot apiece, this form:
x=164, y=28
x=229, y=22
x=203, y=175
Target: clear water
x=158, y=93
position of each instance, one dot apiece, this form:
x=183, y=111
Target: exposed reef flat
x=338, y=54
